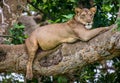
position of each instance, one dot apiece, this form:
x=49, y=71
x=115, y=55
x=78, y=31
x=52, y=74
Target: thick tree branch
x=64, y=59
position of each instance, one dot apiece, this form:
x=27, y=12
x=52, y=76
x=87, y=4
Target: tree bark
x=66, y=58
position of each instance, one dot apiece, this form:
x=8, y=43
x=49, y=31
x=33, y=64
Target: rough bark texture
x=64, y=59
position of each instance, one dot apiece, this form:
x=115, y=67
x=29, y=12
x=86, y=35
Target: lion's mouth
x=88, y=25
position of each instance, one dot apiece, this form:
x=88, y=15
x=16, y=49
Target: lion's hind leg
x=31, y=48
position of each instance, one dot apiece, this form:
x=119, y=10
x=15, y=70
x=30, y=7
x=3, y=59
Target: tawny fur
x=50, y=36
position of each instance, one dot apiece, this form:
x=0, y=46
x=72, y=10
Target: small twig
x=2, y=17
x=6, y=36
x=7, y=6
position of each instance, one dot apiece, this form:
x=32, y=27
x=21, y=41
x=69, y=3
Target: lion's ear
x=77, y=10
x=93, y=9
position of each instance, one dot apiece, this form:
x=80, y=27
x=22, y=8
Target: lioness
x=49, y=36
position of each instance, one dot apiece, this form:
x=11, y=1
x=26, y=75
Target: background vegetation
x=57, y=11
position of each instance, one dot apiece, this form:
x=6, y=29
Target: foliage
x=62, y=79
x=54, y=9
x=64, y=18
x=106, y=12
x=17, y=33
x=118, y=24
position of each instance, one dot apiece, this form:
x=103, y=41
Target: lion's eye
x=91, y=15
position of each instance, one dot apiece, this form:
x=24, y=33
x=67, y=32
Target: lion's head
x=85, y=16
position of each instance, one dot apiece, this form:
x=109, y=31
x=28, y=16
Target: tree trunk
x=64, y=59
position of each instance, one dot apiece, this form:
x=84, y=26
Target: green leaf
x=72, y=1
x=68, y=16
x=62, y=79
x=118, y=24
x=106, y=8
x=56, y=21
x=118, y=29
x=21, y=27
x=44, y=1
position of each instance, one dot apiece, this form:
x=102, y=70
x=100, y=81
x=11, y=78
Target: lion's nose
x=89, y=21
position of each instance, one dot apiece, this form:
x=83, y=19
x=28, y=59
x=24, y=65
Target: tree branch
x=7, y=6
x=64, y=59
